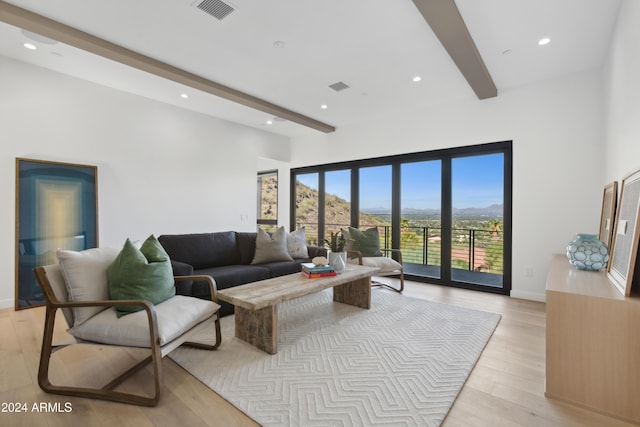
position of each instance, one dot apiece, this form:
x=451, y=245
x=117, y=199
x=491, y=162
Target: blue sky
x=477, y=182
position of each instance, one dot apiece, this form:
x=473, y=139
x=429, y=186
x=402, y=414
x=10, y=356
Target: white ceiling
x=375, y=46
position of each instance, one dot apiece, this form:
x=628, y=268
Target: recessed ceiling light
x=544, y=41
x=278, y=44
x=507, y=52
x=269, y=122
x=30, y=46
x=184, y=95
x=324, y=106
x=416, y=79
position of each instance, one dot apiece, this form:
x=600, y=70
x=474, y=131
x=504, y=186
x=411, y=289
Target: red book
x=316, y=275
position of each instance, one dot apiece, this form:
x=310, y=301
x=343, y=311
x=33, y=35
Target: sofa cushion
x=85, y=276
x=224, y=249
x=233, y=275
x=246, y=243
x=227, y=277
x=280, y=268
x=297, y=244
x=271, y=248
x=141, y=274
x=192, y=249
x=202, y=250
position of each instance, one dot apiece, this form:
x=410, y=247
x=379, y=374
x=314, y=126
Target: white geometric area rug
x=401, y=363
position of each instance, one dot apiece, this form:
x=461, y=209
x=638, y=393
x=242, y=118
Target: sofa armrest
x=315, y=251
x=213, y=288
x=182, y=269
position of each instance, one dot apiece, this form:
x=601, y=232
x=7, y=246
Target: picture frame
x=56, y=208
x=627, y=235
x=608, y=214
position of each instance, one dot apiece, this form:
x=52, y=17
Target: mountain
x=494, y=211
x=337, y=211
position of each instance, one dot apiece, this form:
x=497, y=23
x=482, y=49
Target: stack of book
x=311, y=270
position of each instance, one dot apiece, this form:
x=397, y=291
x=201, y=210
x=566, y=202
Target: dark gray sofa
x=225, y=256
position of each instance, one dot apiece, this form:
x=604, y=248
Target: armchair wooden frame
x=398, y=272
x=53, y=303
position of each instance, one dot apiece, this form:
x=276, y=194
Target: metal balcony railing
x=471, y=249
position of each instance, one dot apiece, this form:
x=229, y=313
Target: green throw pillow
x=143, y=273
x=367, y=241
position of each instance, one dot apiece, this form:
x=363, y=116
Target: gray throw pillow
x=271, y=248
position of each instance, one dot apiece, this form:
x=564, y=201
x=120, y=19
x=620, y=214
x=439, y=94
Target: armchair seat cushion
x=383, y=263
x=175, y=316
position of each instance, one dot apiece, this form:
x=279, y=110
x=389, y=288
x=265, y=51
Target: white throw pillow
x=297, y=244
x=271, y=248
x=85, y=276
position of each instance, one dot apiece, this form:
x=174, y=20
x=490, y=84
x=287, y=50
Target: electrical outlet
x=528, y=272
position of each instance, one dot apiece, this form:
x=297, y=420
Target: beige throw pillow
x=271, y=248
x=297, y=244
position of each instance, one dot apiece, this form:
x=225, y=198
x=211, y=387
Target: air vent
x=216, y=8
x=338, y=86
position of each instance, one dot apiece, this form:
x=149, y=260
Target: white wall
x=557, y=132
x=161, y=169
x=622, y=95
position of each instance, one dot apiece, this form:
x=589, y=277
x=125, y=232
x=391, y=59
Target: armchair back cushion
x=143, y=273
x=85, y=277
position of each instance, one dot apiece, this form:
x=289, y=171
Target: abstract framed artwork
x=607, y=214
x=56, y=208
x=627, y=235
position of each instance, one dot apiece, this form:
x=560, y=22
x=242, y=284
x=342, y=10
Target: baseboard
x=6, y=303
x=533, y=296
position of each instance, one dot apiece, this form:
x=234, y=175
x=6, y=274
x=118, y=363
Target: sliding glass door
x=307, y=214
x=420, y=217
x=337, y=201
x=449, y=211
x=375, y=200
x=477, y=235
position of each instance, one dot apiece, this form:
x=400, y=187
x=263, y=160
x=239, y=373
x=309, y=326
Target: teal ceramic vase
x=586, y=252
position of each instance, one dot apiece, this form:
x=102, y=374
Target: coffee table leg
x=258, y=328
x=356, y=293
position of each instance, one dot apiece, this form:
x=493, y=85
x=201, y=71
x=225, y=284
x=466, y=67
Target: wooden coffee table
x=256, y=304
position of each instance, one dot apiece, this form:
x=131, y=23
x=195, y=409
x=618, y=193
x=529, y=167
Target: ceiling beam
x=446, y=22
x=35, y=23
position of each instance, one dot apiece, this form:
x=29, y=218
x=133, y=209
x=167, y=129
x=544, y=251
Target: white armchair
x=161, y=328
x=388, y=266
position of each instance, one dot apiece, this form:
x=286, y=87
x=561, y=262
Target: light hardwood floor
x=506, y=387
